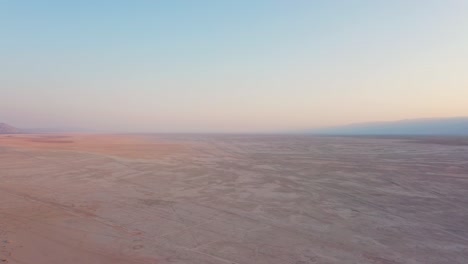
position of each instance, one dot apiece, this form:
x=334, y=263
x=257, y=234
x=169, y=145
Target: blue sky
x=230, y=66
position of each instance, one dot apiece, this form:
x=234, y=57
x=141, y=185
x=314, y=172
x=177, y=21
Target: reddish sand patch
x=37, y=230
x=127, y=146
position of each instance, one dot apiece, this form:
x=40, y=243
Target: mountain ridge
x=420, y=126
x=8, y=129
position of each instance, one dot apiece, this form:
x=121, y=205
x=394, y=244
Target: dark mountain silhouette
x=7, y=129
x=429, y=126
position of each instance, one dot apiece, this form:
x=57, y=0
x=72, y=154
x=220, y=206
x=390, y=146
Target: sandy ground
x=232, y=200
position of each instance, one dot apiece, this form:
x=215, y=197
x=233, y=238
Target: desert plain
x=232, y=199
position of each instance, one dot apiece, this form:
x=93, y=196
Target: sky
x=230, y=66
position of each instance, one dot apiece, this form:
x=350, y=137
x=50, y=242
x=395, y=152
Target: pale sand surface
x=231, y=199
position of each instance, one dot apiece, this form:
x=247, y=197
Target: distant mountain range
x=457, y=126
x=7, y=129
x=429, y=126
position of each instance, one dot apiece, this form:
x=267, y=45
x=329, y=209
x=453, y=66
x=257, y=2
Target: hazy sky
x=230, y=66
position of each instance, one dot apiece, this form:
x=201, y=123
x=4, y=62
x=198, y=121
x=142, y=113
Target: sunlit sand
x=231, y=199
